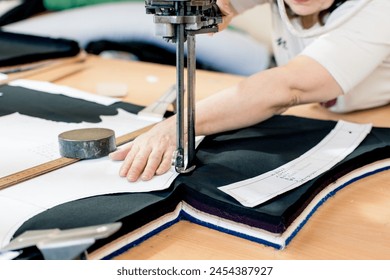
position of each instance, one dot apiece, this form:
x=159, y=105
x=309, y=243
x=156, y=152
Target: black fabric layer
x=25, y=10
x=245, y=153
x=18, y=49
x=134, y=210
x=221, y=159
x=56, y=107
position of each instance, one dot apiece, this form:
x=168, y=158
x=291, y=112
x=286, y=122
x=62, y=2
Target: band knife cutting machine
x=178, y=22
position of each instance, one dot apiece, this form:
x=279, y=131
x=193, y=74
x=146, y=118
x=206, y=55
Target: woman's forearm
x=251, y=101
x=265, y=94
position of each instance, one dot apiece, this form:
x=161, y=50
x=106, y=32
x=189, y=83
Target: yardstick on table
x=44, y=68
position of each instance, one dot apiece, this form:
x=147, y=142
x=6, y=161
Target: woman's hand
x=227, y=11
x=149, y=154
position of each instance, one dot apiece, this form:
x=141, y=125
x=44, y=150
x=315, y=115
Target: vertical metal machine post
x=179, y=159
x=179, y=21
x=191, y=83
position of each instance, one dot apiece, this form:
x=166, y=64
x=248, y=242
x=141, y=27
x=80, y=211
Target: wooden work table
x=354, y=224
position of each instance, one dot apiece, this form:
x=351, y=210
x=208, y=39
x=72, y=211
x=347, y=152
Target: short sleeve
x=353, y=50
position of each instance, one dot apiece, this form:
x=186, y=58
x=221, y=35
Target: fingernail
x=122, y=173
x=145, y=178
x=132, y=178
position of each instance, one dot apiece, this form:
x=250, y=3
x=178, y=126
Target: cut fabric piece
x=223, y=159
x=341, y=141
x=16, y=10
x=132, y=30
x=16, y=49
x=245, y=153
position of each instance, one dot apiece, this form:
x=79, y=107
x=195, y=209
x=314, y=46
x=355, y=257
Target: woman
x=335, y=52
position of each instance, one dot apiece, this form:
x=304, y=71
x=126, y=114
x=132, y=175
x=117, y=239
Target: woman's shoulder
x=371, y=9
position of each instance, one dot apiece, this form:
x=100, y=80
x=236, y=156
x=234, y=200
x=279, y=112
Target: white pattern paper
x=339, y=143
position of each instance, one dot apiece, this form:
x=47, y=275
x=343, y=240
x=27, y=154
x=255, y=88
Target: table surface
x=354, y=224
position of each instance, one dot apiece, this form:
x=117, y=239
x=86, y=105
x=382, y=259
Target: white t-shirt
x=353, y=45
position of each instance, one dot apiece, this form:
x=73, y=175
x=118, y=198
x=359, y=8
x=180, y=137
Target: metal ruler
x=26, y=174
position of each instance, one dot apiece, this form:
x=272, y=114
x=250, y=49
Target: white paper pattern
x=339, y=143
x=27, y=141
x=3, y=77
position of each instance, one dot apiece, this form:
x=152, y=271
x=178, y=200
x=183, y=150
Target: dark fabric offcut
x=16, y=49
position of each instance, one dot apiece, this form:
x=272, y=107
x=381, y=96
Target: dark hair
x=333, y=7
x=322, y=14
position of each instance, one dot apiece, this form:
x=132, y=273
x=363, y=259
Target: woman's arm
x=253, y=100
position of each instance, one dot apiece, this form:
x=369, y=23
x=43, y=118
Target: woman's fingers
x=121, y=153
x=227, y=11
x=166, y=162
x=148, y=155
x=135, y=163
x=153, y=162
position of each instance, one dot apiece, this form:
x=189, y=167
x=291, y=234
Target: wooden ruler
x=49, y=166
x=43, y=67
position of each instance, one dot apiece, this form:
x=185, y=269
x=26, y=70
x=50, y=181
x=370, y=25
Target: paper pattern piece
x=68, y=91
x=3, y=77
x=339, y=143
x=34, y=141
